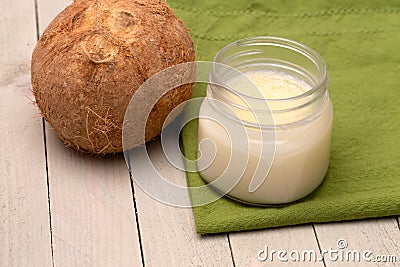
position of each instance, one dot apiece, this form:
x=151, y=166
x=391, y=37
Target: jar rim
x=298, y=47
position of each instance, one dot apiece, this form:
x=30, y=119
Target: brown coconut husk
x=93, y=57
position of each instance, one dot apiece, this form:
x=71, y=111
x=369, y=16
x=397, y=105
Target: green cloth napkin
x=360, y=41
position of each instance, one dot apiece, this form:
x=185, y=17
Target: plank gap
x=230, y=249
x=37, y=19
x=48, y=188
x=319, y=245
x=45, y=146
x=136, y=216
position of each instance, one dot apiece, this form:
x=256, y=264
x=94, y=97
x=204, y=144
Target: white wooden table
x=61, y=208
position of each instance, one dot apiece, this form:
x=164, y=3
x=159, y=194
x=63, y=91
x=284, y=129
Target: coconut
x=91, y=60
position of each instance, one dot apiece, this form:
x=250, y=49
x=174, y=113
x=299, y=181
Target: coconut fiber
x=359, y=42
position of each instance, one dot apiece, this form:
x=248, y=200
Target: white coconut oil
x=273, y=142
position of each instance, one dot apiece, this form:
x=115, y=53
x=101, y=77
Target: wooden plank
x=93, y=218
x=24, y=216
x=168, y=233
x=380, y=236
x=255, y=248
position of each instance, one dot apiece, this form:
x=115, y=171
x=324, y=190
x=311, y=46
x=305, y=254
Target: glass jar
x=263, y=150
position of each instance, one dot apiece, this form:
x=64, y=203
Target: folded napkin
x=359, y=41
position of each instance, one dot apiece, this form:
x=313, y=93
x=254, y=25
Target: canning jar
x=265, y=124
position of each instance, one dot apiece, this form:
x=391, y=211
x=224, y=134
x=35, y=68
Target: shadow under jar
x=265, y=124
